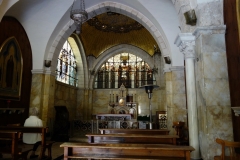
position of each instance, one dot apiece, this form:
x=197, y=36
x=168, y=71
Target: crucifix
x=122, y=95
x=122, y=89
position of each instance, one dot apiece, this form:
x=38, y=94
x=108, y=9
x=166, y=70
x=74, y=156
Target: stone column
x=42, y=94
x=186, y=43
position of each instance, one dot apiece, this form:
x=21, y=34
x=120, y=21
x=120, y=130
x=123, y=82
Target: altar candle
x=113, y=98
x=110, y=98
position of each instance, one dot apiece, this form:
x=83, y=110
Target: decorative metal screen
x=124, y=68
x=162, y=121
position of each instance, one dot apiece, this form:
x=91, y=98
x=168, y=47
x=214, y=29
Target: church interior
x=149, y=65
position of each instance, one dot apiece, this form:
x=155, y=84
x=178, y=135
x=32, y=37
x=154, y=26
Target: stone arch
x=77, y=49
x=136, y=15
x=78, y=52
x=102, y=8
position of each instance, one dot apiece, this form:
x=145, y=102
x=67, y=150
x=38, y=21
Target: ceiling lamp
x=78, y=15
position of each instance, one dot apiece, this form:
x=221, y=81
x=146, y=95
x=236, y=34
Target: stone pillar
x=186, y=43
x=169, y=102
x=175, y=96
x=42, y=94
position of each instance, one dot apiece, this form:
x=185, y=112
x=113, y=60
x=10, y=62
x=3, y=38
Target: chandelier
x=78, y=15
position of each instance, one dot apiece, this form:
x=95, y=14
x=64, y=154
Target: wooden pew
x=125, y=151
x=42, y=130
x=134, y=131
x=231, y=146
x=13, y=149
x=132, y=138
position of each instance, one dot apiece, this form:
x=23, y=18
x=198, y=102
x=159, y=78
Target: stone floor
x=57, y=151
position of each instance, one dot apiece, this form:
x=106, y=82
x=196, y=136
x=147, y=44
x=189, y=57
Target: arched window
x=67, y=68
x=124, y=68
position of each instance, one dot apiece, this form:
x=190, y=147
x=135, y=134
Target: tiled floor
x=57, y=151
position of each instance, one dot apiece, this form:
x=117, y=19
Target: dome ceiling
x=111, y=29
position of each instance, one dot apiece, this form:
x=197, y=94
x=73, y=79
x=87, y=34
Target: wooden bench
x=125, y=151
x=132, y=138
x=134, y=131
x=13, y=149
x=42, y=130
x=231, y=146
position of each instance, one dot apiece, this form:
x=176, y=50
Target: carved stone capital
x=186, y=44
x=187, y=48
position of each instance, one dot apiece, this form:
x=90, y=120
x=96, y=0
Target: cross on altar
x=122, y=89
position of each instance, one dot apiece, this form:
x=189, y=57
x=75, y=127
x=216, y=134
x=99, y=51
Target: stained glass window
x=66, y=71
x=124, y=68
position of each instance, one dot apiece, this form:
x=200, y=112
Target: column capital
x=186, y=43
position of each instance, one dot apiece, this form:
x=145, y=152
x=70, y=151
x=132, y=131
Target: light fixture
x=149, y=88
x=78, y=15
x=191, y=17
x=47, y=63
x=167, y=60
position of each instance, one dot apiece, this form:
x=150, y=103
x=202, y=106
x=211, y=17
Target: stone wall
x=66, y=95
x=213, y=99
x=176, y=97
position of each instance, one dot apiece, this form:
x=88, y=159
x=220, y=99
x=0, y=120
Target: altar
x=122, y=109
x=113, y=117
x=123, y=103
x=115, y=120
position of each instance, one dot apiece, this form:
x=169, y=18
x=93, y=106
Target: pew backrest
x=134, y=131
x=125, y=151
x=132, y=138
x=41, y=130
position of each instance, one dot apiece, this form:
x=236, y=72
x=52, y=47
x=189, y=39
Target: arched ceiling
x=47, y=24
x=110, y=29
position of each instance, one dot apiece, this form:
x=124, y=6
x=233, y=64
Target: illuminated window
x=124, y=68
x=66, y=71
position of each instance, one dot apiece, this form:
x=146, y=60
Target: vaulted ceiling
x=110, y=29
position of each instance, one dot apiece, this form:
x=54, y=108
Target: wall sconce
x=47, y=63
x=167, y=60
x=190, y=17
